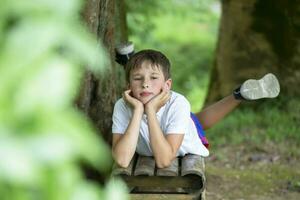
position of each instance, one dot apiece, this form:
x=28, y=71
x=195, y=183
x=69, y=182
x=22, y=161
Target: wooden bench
x=184, y=179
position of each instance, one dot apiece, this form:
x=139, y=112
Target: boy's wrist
x=149, y=110
x=139, y=109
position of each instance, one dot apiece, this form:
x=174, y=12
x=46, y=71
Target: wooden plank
x=117, y=170
x=190, y=182
x=193, y=164
x=145, y=166
x=160, y=190
x=172, y=170
x=162, y=196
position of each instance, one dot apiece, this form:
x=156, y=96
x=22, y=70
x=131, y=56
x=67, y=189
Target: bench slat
x=166, y=183
x=145, y=182
x=172, y=170
x=193, y=164
x=162, y=196
x=145, y=166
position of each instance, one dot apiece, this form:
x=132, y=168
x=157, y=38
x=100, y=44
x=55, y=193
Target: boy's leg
x=210, y=115
x=266, y=87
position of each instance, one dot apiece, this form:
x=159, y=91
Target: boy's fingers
x=126, y=93
x=167, y=96
x=164, y=96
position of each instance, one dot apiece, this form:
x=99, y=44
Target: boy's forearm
x=162, y=150
x=124, y=149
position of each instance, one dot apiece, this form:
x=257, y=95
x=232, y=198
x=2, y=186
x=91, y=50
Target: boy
x=152, y=120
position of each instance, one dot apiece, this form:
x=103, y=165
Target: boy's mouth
x=145, y=94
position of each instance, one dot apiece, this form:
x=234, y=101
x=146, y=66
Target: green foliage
x=186, y=31
x=43, y=47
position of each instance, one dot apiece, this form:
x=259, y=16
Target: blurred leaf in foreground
x=43, y=138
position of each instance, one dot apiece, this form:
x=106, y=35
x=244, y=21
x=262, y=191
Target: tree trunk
x=121, y=24
x=98, y=93
x=121, y=35
x=257, y=37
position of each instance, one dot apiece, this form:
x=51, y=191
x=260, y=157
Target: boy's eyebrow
x=155, y=73
x=136, y=74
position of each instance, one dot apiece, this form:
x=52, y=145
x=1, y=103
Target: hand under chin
x=145, y=100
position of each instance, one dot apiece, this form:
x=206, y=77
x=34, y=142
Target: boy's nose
x=145, y=85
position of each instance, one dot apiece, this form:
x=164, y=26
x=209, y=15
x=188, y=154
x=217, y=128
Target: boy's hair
x=156, y=59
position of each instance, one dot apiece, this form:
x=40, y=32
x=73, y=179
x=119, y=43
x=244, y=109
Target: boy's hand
x=135, y=103
x=158, y=101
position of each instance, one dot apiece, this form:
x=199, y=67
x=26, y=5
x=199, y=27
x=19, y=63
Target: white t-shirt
x=174, y=118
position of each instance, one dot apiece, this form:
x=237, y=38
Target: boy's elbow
x=160, y=166
x=163, y=164
x=121, y=160
x=122, y=163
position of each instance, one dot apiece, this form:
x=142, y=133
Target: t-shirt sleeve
x=178, y=116
x=121, y=117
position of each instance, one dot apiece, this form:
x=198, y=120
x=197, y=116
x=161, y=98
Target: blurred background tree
x=257, y=37
x=43, y=138
x=98, y=92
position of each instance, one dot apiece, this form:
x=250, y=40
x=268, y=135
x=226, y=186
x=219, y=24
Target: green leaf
x=116, y=189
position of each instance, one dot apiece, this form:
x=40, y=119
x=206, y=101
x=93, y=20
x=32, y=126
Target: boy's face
x=147, y=81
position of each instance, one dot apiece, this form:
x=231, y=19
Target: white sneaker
x=125, y=48
x=124, y=52
x=266, y=87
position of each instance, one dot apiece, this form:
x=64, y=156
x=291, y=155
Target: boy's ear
x=168, y=84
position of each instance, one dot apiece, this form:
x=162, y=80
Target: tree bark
x=99, y=93
x=121, y=36
x=256, y=37
x=120, y=21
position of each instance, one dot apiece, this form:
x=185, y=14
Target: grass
x=266, y=183
x=260, y=124
x=267, y=131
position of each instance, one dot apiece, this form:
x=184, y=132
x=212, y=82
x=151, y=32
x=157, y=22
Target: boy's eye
x=154, y=77
x=137, y=79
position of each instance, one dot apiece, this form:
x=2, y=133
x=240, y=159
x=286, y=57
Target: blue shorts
x=200, y=130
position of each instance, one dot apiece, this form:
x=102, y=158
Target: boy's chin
x=145, y=100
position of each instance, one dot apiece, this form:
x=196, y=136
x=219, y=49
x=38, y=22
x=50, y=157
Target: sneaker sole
x=266, y=87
